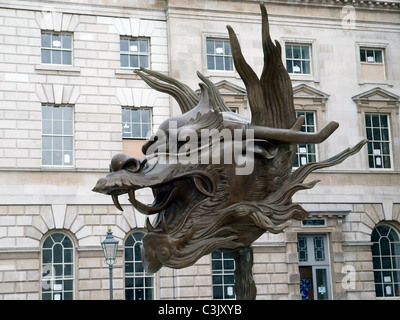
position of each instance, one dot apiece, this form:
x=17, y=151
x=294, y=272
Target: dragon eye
x=164, y=252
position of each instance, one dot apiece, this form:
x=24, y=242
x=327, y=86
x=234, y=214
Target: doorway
x=314, y=267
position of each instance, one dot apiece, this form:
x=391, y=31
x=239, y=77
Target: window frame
x=223, y=273
x=61, y=48
x=47, y=273
x=386, y=57
x=373, y=141
x=301, y=59
x=215, y=54
x=150, y=123
x=382, y=270
x=215, y=73
x=139, y=54
x=315, y=146
x=61, y=135
x=380, y=101
x=314, y=67
x=132, y=275
x=374, y=50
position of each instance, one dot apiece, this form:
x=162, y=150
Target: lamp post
x=110, y=247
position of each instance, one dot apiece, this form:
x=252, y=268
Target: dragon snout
x=121, y=161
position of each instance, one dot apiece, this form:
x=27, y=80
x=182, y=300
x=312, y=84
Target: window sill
x=376, y=82
x=60, y=70
x=303, y=77
x=126, y=74
x=220, y=73
x=57, y=168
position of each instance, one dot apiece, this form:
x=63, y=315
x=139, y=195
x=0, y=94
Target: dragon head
x=219, y=181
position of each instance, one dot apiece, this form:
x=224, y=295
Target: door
x=314, y=267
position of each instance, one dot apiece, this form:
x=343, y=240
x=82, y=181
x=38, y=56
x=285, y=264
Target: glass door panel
x=322, y=285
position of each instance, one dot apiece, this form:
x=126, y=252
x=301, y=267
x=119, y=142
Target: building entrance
x=314, y=267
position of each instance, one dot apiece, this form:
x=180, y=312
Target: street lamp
x=110, y=247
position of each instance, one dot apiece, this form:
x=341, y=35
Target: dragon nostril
x=121, y=161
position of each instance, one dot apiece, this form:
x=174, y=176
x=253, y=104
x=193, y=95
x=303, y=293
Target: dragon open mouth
x=173, y=199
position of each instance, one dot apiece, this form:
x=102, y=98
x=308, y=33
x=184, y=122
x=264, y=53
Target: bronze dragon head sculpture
x=209, y=205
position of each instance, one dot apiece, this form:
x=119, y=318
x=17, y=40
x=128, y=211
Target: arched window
x=57, y=267
x=386, y=261
x=138, y=284
x=223, y=267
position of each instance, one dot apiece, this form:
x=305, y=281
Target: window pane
x=57, y=143
x=378, y=56
x=144, y=46
x=362, y=55
x=46, y=127
x=210, y=63
x=305, y=52
x=66, y=41
x=219, y=47
x=375, y=120
x=46, y=158
x=145, y=130
x=56, y=56
x=145, y=115
x=228, y=51
x=228, y=63
x=124, y=45
x=217, y=292
x=289, y=66
x=219, y=63
x=134, y=61
x=143, y=61
x=135, y=115
x=370, y=55
x=384, y=121
x=124, y=60
x=57, y=158
x=66, y=57
x=57, y=127
x=56, y=41
x=136, y=132
x=46, y=40
x=210, y=47
x=68, y=143
x=289, y=51
x=296, y=52
x=296, y=66
x=46, y=56
x=306, y=67
x=133, y=45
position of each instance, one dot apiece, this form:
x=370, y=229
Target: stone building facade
x=67, y=88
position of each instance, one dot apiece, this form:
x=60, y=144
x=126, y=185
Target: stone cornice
x=358, y=4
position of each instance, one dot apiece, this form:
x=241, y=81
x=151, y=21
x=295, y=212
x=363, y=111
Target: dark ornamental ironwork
x=220, y=181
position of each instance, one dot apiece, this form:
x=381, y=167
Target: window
x=371, y=55
x=134, y=52
x=223, y=267
x=306, y=153
x=314, y=266
x=57, y=268
x=219, y=55
x=136, y=123
x=298, y=58
x=372, y=63
x=56, y=48
x=138, y=284
x=378, y=135
x=386, y=261
x=57, y=135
